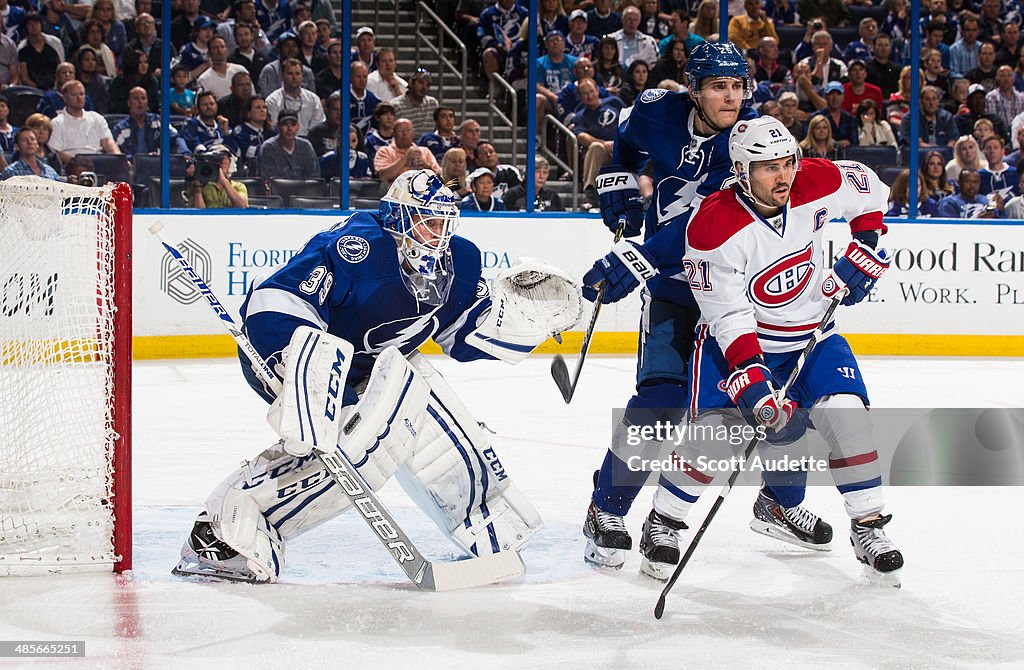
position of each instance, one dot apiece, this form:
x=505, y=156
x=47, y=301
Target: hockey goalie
x=340, y=324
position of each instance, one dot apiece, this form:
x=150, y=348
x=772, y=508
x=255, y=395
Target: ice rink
x=744, y=601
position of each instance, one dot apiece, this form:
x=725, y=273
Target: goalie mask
x=761, y=139
x=422, y=213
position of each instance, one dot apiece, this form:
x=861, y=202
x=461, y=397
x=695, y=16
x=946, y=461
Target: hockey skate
x=796, y=525
x=876, y=551
x=659, y=546
x=607, y=539
x=203, y=555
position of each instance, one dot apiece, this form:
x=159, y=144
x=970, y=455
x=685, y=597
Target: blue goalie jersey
x=687, y=168
x=348, y=282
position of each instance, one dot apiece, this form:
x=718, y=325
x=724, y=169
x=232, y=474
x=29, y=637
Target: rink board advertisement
x=951, y=290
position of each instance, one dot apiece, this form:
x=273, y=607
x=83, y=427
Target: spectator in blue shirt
x=968, y=203
x=997, y=177
x=844, y=124
x=208, y=127
x=594, y=126
x=554, y=71
x=482, y=199
x=568, y=99
x=578, y=43
x=443, y=137
x=498, y=27
x=859, y=49
x=140, y=132
x=28, y=164
x=963, y=55
x=679, y=21
x=601, y=20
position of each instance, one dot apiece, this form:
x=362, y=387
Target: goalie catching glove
x=530, y=302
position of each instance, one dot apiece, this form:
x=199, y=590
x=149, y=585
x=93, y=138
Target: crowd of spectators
x=256, y=85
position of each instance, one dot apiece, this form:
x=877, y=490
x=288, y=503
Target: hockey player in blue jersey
x=685, y=136
x=384, y=283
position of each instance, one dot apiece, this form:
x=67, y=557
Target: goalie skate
x=881, y=558
x=203, y=555
x=659, y=545
x=796, y=525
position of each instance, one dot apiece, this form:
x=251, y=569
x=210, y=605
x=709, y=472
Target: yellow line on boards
x=221, y=346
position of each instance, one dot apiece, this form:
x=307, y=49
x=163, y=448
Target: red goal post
x=65, y=375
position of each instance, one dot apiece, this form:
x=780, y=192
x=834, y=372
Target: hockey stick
x=425, y=574
x=559, y=369
x=659, y=609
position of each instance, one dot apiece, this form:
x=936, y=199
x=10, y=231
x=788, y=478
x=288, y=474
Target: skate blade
x=773, y=531
x=655, y=570
x=604, y=557
x=887, y=579
x=204, y=573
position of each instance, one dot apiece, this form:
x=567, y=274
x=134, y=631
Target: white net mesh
x=56, y=373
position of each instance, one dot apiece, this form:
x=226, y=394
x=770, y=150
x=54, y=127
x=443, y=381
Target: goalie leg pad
x=456, y=477
x=378, y=433
x=530, y=302
x=269, y=499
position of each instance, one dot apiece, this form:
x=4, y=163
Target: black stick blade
x=659, y=609
x=560, y=373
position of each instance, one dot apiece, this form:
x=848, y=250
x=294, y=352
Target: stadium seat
x=873, y=157
x=253, y=186
x=889, y=174
x=22, y=102
x=363, y=188
x=363, y=203
x=843, y=36
x=311, y=202
x=947, y=154
x=860, y=12
x=177, y=188
x=286, y=188
x=265, y=202
x=112, y=166
x=790, y=37
x=113, y=119
x=147, y=167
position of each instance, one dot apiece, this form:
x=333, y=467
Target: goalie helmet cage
x=65, y=375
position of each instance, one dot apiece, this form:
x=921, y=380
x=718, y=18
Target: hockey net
x=65, y=375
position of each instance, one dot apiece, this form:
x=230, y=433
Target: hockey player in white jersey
x=378, y=286
x=753, y=258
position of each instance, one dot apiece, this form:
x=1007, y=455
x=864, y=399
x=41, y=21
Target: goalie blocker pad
x=456, y=477
x=530, y=302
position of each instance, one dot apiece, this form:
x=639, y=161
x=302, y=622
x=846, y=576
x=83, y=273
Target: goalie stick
x=425, y=574
x=659, y=608
x=559, y=369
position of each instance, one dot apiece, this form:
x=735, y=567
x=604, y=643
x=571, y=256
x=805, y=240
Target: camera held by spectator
x=208, y=166
x=87, y=179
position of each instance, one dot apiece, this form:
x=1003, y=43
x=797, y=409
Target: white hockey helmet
x=415, y=198
x=760, y=139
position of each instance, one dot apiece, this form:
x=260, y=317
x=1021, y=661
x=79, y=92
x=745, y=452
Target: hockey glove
x=857, y=271
x=620, y=271
x=620, y=197
x=750, y=388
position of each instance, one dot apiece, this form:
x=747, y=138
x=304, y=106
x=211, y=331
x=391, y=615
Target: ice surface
x=744, y=601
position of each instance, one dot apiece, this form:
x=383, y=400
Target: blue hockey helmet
x=718, y=59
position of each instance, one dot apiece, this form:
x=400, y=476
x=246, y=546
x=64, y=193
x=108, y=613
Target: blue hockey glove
x=750, y=388
x=620, y=197
x=620, y=271
x=857, y=271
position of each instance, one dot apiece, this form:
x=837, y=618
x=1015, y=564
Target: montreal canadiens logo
x=353, y=249
x=653, y=94
x=784, y=280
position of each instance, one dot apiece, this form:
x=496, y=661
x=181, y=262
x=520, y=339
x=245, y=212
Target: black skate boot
x=659, y=545
x=607, y=538
x=875, y=550
x=796, y=525
x=203, y=555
